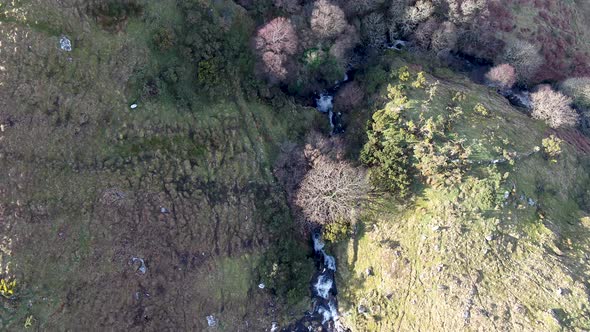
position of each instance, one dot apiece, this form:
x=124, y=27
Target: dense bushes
x=388, y=150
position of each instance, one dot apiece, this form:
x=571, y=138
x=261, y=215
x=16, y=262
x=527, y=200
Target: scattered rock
x=164, y=210
x=466, y=316
x=211, y=321
x=563, y=291
x=443, y=287
x=133, y=106
x=141, y=266
x=435, y=228
x=65, y=44
x=261, y=285
x=274, y=327
x=369, y=271
x=362, y=309
x=489, y=237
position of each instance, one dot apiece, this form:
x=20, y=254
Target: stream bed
x=324, y=315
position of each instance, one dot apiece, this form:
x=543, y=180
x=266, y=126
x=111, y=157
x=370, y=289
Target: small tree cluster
x=387, y=151
x=553, y=107
x=275, y=42
x=502, y=76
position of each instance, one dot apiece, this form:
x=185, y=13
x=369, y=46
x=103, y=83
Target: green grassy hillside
x=504, y=248
x=183, y=181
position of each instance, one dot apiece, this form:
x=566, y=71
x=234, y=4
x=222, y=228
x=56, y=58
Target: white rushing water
x=323, y=286
x=325, y=104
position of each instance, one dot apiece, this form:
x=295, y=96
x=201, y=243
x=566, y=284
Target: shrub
x=578, y=89
x=337, y=231
x=327, y=20
x=481, y=110
x=332, y=191
x=403, y=73
x=164, y=38
x=503, y=76
x=524, y=57
x=7, y=288
x=552, y=146
x=553, y=107
x=420, y=81
x=441, y=164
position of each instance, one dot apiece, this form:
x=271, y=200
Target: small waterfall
x=324, y=311
x=325, y=104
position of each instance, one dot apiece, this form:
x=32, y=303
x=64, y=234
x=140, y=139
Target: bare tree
x=327, y=20
x=578, y=88
x=342, y=47
x=289, y=6
x=277, y=36
x=275, y=65
x=503, y=76
x=275, y=42
x=445, y=37
x=524, y=57
x=374, y=30
x=332, y=191
x=424, y=31
x=553, y=107
x=361, y=7
x=349, y=96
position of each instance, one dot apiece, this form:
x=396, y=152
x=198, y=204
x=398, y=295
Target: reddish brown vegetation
x=275, y=42
x=504, y=76
x=350, y=96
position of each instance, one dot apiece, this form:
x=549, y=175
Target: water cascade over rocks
x=324, y=314
x=325, y=104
